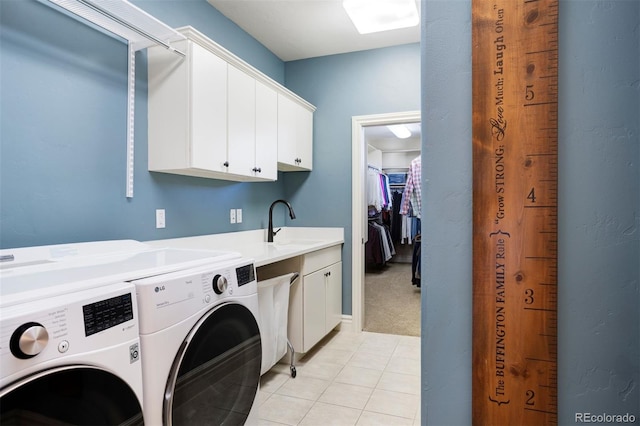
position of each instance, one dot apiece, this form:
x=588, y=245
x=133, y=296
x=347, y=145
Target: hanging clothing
x=416, y=263
x=379, y=248
x=378, y=192
x=412, y=195
x=408, y=229
x=373, y=247
x=396, y=217
x=374, y=198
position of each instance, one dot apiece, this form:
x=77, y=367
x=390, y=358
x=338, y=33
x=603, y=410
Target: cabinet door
x=314, y=308
x=287, y=151
x=304, y=137
x=266, y=132
x=295, y=135
x=242, y=122
x=333, y=296
x=208, y=107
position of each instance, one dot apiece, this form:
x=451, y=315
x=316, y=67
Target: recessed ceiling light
x=370, y=16
x=400, y=130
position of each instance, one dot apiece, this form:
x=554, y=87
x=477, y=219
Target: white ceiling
x=382, y=138
x=300, y=29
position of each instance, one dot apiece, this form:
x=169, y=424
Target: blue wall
x=342, y=86
x=63, y=134
x=447, y=212
x=599, y=211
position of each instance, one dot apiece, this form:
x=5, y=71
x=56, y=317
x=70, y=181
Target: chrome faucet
x=271, y=233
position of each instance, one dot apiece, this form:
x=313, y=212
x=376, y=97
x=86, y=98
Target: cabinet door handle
x=257, y=169
x=226, y=164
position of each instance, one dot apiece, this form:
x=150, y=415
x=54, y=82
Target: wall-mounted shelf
x=124, y=20
x=139, y=29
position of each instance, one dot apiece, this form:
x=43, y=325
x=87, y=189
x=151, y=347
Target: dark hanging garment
x=415, y=264
x=373, y=247
x=396, y=218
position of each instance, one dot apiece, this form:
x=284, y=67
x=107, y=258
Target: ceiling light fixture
x=371, y=16
x=400, y=130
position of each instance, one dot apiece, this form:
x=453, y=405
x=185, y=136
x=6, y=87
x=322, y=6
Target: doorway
x=359, y=223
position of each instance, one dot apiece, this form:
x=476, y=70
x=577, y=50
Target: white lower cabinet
x=315, y=299
x=322, y=303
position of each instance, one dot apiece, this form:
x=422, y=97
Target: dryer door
x=71, y=395
x=215, y=376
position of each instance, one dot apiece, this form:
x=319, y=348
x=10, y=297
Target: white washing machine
x=70, y=346
x=70, y=358
x=201, y=346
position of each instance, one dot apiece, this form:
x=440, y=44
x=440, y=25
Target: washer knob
x=28, y=340
x=220, y=284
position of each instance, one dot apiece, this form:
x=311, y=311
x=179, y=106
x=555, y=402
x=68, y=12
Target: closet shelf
x=123, y=19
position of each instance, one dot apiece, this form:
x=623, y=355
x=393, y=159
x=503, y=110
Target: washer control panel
x=245, y=274
x=66, y=325
x=107, y=313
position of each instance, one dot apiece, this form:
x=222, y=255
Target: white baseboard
x=346, y=323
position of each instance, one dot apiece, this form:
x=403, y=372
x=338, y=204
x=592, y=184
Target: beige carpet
x=392, y=303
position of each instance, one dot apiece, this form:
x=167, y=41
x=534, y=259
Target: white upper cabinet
x=212, y=115
x=295, y=135
x=187, y=111
x=207, y=109
x=242, y=121
x=266, y=164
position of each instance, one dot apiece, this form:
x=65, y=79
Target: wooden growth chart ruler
x=515, y=163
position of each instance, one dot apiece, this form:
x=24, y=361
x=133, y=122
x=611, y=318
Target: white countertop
x=289, y=242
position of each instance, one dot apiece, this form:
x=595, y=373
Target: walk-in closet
x=392, y=251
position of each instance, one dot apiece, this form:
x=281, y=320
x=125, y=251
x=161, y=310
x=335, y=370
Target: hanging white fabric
x=378, y=191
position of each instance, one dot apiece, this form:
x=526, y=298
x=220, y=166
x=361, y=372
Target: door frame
x=358, y=202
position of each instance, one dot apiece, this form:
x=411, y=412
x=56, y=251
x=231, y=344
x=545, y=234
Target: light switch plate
x=238, y=215
x=232, y=215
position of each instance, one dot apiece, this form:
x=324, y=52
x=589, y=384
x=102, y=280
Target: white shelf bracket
x=131, y=99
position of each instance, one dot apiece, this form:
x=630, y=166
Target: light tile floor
x=347, y=379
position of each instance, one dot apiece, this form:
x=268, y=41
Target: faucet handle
x=276, y=231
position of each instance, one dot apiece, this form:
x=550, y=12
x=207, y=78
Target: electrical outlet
x=160, y=218
x=232, y=215
x=239, y=215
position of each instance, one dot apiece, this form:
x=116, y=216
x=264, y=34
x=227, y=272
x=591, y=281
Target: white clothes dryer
x=201, y=345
